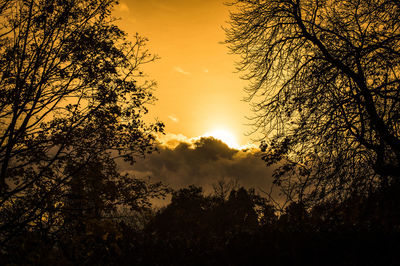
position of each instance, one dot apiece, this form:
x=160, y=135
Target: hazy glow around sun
x=225, y=136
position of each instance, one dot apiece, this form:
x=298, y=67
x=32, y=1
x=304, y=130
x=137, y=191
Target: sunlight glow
x=225, y=136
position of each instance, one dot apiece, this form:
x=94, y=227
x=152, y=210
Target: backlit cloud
x=173, y=118
x=203, y=162
x=180, y=70
x=122, y=7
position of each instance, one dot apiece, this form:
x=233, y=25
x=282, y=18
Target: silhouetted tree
x=183, y=217
x=324, y=84
x=72, y=100
x=195, y=228
x=222, y=188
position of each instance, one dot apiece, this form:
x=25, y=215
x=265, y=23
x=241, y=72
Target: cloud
x=203, y=162
x=122, y=7
x=180, y=70
x=173, y=118
x=172, y=140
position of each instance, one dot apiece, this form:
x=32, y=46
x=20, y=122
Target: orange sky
x=198, y=90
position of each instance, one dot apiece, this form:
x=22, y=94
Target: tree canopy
x=325, y=89
x=72, y=100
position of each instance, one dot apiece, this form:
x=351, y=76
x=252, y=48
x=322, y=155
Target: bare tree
x=72, y=100
x=223, y=187
x=324, y=86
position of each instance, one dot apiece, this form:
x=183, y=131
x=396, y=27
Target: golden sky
x=198, y=91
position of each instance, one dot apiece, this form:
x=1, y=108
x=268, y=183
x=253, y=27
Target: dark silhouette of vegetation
x=245, y=229
x=72, y=99
x=242, y=228
x=324, y=84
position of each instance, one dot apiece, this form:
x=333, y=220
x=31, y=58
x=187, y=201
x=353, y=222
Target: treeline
x=235, y=227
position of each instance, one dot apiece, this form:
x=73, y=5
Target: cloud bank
x=203, y=162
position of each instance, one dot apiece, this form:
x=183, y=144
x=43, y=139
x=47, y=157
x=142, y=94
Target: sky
x=199, y=95
x=198, y=90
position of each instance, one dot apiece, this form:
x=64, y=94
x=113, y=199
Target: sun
x=225, y=136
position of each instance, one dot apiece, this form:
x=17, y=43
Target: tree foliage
x=72, y=100
x=325, y=89
x=195, y=228
x=242, y=228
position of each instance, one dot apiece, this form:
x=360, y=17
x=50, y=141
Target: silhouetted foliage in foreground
x=72, y=101
x=240, y=228
x=324, y=87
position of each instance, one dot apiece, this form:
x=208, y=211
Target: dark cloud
x=203, y=162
